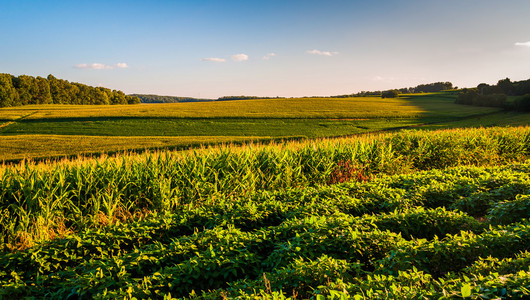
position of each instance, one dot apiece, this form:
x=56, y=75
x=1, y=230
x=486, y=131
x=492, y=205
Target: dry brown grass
x=42, y=230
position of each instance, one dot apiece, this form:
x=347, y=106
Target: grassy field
x=15, y=147
x=359, y=107
x=33, y=131
x=309, y=128
x=496, y=119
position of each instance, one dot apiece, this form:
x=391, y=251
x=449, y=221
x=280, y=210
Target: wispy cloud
x=383, y=78
x=98, y=66
x=235, y=57
x=214, y=59
x=323, y=53
x=239, y=57
x=525, y=44
x=269, y=56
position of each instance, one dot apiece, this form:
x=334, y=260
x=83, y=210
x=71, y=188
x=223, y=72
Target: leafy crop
x=433, y=216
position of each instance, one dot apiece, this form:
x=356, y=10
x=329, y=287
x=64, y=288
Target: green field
x=97, y=129
x=404, y=215
x=311, y=198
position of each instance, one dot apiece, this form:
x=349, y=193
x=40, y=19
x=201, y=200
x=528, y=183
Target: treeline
x=497, y=95
x=422, y=88
x=225, y=98
x=24, y=90
x=429, y=88
x=149, y=98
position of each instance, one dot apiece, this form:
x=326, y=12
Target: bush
x=466, y=96
x=390, y=94
x=522, y=103
x=507, y=212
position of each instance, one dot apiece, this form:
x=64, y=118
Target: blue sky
x=209, y=49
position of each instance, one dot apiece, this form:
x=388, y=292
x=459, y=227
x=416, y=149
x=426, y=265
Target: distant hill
x=149, y=98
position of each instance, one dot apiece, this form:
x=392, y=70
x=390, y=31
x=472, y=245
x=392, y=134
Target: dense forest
x=149, y=98
x=497, y=95
x=24, y=90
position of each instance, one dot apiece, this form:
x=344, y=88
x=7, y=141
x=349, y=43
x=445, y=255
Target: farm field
x=507, y=118
x=357, y=107
x=276, y=150
x=409, y=214
x=15, y=147
x=277, y=198
x=103, y=129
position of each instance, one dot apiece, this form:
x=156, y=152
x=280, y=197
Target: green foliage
x=24, y=90
x=522, y=103
x=225, y=98
x=165, y=99
x=509, y=211
x=8, y=93
x=473, y=97
x=496, y=95
x=433, y=87
x=264, y=222
x=390, y=94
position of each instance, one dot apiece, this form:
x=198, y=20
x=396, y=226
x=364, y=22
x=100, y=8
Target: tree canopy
x=24, y=90
x=496, y=95
x=149, y=98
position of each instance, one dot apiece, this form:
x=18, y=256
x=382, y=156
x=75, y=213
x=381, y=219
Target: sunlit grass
x=38, y=131
x=310, y=128
x=498, y=119
x=43, y=146
x=358, y=107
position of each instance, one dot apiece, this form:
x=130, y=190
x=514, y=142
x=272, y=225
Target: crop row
x=234, y=261
x=41, y=202
x=399, y=235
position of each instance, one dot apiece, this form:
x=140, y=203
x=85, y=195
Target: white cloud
x=269, y=55
x=98, y=66
x=214, y=59
x=239, y=57
x=94, y=66
x=525, y=44
x=383, y=78
x=324, y=53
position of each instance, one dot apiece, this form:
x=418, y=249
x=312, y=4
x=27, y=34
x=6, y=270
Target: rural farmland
x=277, y=150
x=47, y=131
x=340, y=217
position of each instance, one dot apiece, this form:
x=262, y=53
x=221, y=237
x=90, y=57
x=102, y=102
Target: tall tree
x=118, y=97
x=99, y=96
x=42, y=94
x=8, y=93
x=506, y=86
x=26, y=88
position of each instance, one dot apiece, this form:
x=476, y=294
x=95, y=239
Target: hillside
x=55, y=130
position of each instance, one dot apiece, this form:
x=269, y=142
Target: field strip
x=17, y=147
x=6, y=124
x=18, y=119
x=27, y=115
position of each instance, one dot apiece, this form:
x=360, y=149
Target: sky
x=213, y=48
